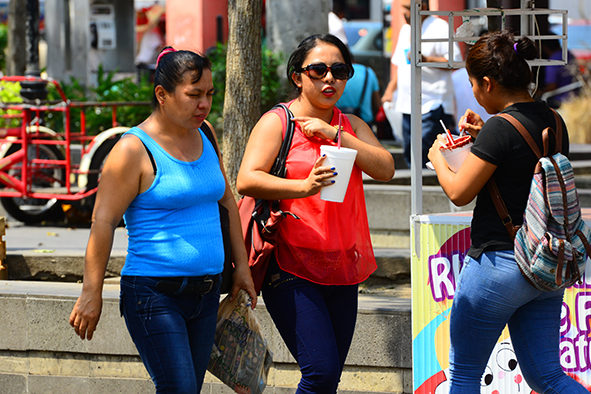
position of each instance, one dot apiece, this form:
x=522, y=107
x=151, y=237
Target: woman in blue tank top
x=164, y=177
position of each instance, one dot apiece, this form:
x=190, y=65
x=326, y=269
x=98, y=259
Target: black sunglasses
x=319, y=70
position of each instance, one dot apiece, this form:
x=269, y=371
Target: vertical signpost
x=32, y=90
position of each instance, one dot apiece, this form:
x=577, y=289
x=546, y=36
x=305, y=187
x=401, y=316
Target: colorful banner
x=439, y=244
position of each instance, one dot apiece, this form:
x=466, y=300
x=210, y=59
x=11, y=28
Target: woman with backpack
x=311, y=284
x=491, y=291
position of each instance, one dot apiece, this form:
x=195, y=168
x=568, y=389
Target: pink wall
x=396, y=23
x=191, y=24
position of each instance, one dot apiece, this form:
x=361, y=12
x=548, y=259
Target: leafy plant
x=10, y=93
x=108, y=89
x=273, y=86
x=3, y=45
x=218, y=71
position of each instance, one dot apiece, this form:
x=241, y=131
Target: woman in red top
x=311, y=286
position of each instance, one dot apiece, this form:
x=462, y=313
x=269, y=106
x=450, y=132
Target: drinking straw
x=339, y=133
x=450, y=139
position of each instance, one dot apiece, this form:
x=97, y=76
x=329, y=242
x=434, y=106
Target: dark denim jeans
x=172, y=332
x=491, y=292
x=317, y=324
x=431, y=128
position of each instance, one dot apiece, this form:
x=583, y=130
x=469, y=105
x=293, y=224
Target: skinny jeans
x=491, y=292
x=173, y=331
x=317, y=324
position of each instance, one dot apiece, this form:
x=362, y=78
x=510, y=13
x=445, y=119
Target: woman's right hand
x=86, y=314
x=319, y=177
x=126, y=172
x=471, y=123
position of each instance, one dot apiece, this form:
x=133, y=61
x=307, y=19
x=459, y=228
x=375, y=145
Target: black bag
x=228, y=271
x=260, y=219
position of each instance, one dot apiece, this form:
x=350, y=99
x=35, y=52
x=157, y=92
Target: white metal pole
x=416, y=129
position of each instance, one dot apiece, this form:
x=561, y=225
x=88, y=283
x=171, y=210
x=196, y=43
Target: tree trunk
x=16, y=60
x=243, y=81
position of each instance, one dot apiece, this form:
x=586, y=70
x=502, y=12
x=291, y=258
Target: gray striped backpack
x=551, y=247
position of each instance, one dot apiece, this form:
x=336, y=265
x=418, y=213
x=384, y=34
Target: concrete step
x=393, y=267
x=39, y=351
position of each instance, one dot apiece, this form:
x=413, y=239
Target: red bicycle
x=37, y=170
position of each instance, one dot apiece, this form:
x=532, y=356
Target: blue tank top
x=174, y=226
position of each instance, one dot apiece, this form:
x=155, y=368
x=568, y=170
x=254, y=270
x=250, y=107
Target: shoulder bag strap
x=151, y=158
x=207, y=131
x=278, y=168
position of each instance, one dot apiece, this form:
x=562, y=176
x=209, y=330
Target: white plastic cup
x=456, y=157
x=342, y=159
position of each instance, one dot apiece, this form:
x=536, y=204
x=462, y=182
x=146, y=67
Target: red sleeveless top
x=330, y=243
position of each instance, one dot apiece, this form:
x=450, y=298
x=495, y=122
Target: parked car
x=366, y=42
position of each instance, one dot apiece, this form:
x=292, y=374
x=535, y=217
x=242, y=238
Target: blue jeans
x=173, y=332
x=317, y=324
x=431, y=128
x=491, y=292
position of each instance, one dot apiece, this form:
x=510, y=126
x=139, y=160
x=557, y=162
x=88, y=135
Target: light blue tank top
x=174, y=226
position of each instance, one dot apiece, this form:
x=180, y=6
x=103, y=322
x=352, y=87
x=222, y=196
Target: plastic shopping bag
x=240, y=357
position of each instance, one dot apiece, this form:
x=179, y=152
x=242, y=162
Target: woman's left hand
x=435, y=150
x=242, y=279
x=314, y=127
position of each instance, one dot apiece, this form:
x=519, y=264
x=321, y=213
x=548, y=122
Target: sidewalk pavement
x=56, y=240
x=69, y=243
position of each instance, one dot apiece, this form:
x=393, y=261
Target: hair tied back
x=515, y=48
x=164, y=52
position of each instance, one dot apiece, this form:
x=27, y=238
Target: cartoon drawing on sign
x=443, y=256
x=502, y=374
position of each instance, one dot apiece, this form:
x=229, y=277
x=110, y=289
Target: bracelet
x=336, y=137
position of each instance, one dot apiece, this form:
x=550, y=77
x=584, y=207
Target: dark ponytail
x=500, y=56
x=526, y=48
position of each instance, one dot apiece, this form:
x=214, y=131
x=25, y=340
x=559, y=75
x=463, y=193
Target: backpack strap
x=492, y=185
x=524, y=133
x=501, y=208
x=545, y=134
x=558, y=134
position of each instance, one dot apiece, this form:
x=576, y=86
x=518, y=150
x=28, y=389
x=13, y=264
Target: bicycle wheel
x=98, y=161
x=94, y=173
x=35, y=210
